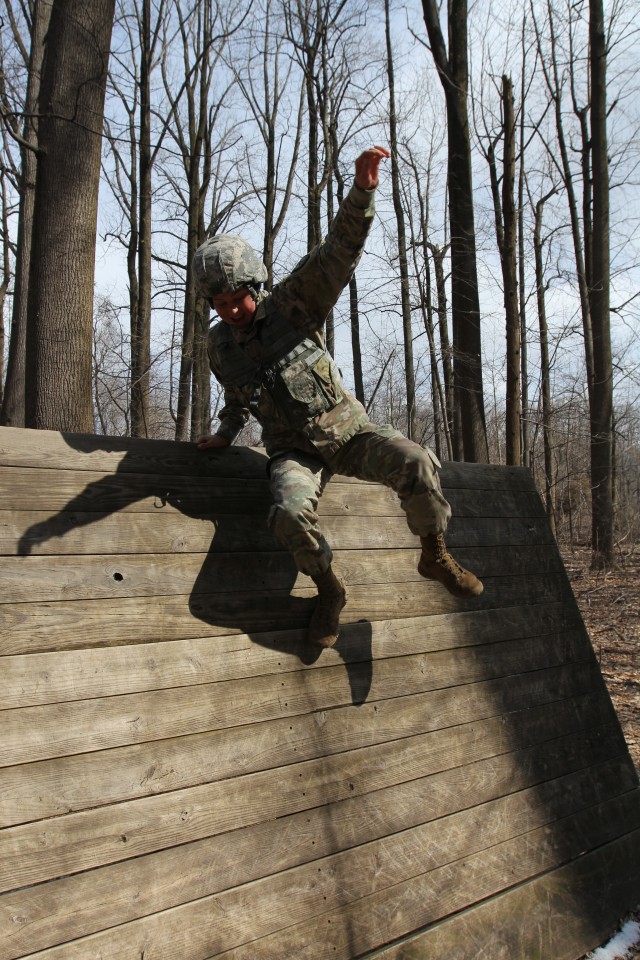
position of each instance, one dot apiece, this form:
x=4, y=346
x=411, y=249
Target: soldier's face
x=237, y=309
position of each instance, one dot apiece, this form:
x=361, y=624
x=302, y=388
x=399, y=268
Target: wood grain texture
x=560, y=914
x=36, y=678
x=61, y=785
x=141, y=886
x=182, y=778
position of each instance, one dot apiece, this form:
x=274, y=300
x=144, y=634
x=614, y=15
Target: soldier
x=269, y=354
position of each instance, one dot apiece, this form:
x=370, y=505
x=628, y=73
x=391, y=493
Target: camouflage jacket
x=294, y=313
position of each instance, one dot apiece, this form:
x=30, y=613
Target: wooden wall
x=181, y=778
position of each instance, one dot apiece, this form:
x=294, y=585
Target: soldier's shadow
x=247, y=582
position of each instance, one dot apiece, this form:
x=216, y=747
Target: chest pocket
x=303, y=385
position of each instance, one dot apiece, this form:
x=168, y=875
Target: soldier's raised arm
x=312, y=288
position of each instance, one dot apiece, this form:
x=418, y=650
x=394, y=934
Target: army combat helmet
x=224, y=264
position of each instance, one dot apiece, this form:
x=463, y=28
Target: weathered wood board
x=182, y=778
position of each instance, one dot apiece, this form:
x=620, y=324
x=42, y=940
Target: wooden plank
x=68, y=451
x=35, y=918
x=60, y=625
x=357, y=925
x=562, y=914
x=52, y=788
x=50, y=449
x=494, y=503
x=38, y=678
x=131, y=575
x=102, y=533
x=171, y=532
x=76, y=906
x=77, y=842
x=64, y=729
x=421, y=871
x=192, y=767
x=89, y=491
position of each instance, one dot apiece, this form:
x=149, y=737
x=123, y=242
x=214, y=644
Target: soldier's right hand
x=368, y=165
x=211, y=442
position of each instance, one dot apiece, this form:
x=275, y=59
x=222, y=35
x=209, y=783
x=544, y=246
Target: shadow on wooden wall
x=181, y=778
x=245, y=582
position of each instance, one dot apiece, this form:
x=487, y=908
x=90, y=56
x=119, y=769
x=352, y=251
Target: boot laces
x=444, y=558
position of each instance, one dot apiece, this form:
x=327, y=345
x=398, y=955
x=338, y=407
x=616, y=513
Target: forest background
x=494, y=315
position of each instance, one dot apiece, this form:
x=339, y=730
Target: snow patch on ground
x=618, y=948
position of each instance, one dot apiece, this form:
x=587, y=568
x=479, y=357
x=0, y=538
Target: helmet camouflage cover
x=224, y=264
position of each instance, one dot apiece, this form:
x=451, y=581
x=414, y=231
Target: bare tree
x=592, y=265
x=503, y=192
x=265, y=77
x=13, y=399
x=192, y=135
x=545, y=371
x=555, y=87
x=602, y=404
x=423, y=251
x=405, y=303
x=60, y=306
x=148, y=35
x=321, y=33
x=111, y=352
x=134, y=157
x=201, y=133
x=453, y=72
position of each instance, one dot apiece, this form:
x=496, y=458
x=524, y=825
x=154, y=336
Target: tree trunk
x=465, y=301
x=510, y=280
x=354, y=308
x=522, y=296
x=141, y=320
x=59, y=330
x=420, y=243
x=405, y=304
x=602, y=405
x=454, y=431
x=545, y=373
x=13, y=401
x=555, y=92
x=356, y=349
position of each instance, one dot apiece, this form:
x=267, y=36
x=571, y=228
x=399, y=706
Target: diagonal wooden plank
x=421, y=872
x=36, y=678
x=561, y=914
x=79, y=905
x=131, y=575
x=354, y=927
x=52, y=788
x=63, y=729
x=60, y=625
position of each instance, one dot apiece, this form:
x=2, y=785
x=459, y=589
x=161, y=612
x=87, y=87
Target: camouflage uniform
x=319, y=428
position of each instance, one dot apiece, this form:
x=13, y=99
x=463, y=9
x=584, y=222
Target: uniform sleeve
x=307, y=295
x=234, y=414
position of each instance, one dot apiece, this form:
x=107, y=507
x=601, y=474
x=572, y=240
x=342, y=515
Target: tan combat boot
x=436, y=563
x=325, y=620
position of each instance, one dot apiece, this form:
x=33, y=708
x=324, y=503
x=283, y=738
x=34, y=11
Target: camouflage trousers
x=375, y=453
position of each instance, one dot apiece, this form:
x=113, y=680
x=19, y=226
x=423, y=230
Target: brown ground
x=610, y=606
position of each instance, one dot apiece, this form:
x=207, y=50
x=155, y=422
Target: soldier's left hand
x=367, y=166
